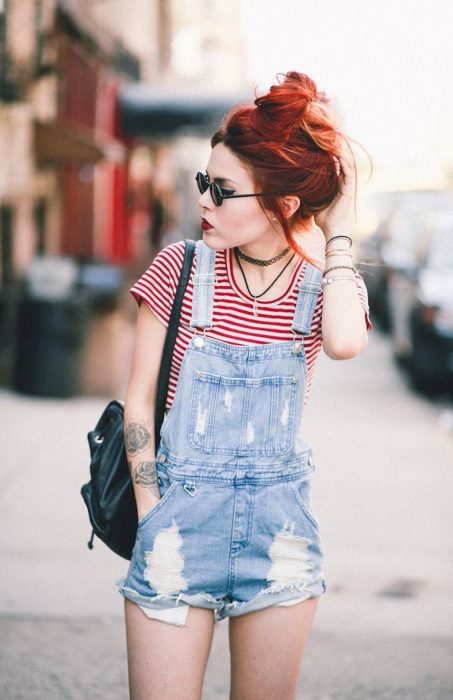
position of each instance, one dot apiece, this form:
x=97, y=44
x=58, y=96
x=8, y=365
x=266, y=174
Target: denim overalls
x=233, y=531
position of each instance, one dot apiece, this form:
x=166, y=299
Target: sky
x=388, y=66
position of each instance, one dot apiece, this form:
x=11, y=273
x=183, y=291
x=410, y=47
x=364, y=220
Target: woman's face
x=237, y=222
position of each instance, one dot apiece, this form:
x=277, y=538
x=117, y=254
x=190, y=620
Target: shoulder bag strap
x=167, y=354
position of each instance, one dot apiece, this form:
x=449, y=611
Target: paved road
x=382, y=493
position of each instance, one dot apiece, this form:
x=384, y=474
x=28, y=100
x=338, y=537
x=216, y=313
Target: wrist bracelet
x=339, y=267
x=330, y=280
x=348, y=238
x=331, y=251
x=339, y=252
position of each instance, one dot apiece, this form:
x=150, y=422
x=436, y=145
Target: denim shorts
x=233, y=540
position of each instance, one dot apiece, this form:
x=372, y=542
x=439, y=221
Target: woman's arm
x=344, y=328
x=139, y=408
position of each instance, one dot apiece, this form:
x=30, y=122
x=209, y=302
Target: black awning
x=146, y=111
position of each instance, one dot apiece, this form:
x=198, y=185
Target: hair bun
x=294, y=103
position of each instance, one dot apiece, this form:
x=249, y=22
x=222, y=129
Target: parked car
x=391, y=248
x=421, y=306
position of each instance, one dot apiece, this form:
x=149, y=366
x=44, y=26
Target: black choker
x=263, y=263
x=257, y=296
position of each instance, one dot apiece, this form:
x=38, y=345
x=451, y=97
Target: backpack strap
x=170, y=339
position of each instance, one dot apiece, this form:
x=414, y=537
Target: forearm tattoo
x=145, y=475
x=137, y=438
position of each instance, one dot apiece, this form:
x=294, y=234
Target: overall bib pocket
x=242, y=416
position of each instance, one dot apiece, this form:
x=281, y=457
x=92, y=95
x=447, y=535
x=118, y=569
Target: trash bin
x=101, y=285
x=50, y=331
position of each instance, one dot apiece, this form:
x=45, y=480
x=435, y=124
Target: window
x=40, y=213
x=6, y=245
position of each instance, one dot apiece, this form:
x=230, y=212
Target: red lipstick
x=205, y=225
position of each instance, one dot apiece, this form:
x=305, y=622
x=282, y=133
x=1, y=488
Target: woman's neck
x=264, y=250
x=254, y=279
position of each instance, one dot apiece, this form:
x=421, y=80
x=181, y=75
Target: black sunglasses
x=216, y=192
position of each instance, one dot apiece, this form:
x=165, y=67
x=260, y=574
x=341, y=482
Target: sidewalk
x=382, y=493
x=78, y=658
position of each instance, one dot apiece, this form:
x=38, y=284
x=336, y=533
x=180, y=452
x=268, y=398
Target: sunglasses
x=217, y=193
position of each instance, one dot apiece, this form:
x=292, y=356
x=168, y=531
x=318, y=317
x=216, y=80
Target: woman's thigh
x=165, y=661
x=266, y=648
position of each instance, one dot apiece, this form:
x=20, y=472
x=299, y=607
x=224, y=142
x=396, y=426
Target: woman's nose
x=205, y=200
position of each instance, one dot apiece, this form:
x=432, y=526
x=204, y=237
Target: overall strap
x=309, y=289
x=203, y=287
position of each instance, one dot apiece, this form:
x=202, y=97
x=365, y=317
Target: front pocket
x=242, y=416
x=166, y=491
x=301, y=489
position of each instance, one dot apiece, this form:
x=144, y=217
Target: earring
x=274, y=218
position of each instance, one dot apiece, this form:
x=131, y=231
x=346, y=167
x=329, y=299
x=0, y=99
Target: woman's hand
x=146, y=507
x=337, y=218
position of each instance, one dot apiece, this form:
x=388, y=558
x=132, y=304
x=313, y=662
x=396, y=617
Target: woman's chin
x=213, y=240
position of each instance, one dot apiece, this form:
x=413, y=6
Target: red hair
x=290, y=143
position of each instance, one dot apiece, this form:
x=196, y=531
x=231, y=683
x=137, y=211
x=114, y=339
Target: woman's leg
x=167, y=662
x=266, y=648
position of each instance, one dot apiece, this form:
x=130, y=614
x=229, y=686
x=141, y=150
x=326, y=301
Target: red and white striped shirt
x=233, y=320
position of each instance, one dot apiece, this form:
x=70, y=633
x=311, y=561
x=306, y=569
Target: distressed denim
x=233, y=530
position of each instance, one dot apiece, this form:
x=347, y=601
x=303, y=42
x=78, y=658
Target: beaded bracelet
x=331, y=280
x=339, y=267
x=348, y=238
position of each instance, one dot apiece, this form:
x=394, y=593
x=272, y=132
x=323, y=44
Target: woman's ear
x=291, y=204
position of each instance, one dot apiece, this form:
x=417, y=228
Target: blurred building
x=206, y=46
x=195, y=44
x=72, y=183
x=64, y=160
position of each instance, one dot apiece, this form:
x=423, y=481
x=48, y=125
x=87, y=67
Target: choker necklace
x=263, y=263
x=257, y=296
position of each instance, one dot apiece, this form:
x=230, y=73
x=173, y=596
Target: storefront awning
x=148, y=112
x=56, y=143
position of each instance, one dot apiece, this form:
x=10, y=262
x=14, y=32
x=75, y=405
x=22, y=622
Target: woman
x=225, y=528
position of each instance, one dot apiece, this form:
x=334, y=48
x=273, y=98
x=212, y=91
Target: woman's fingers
x=347, y=172
x=347, y=158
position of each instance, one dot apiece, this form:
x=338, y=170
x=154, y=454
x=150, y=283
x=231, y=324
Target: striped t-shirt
x=233, y=320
